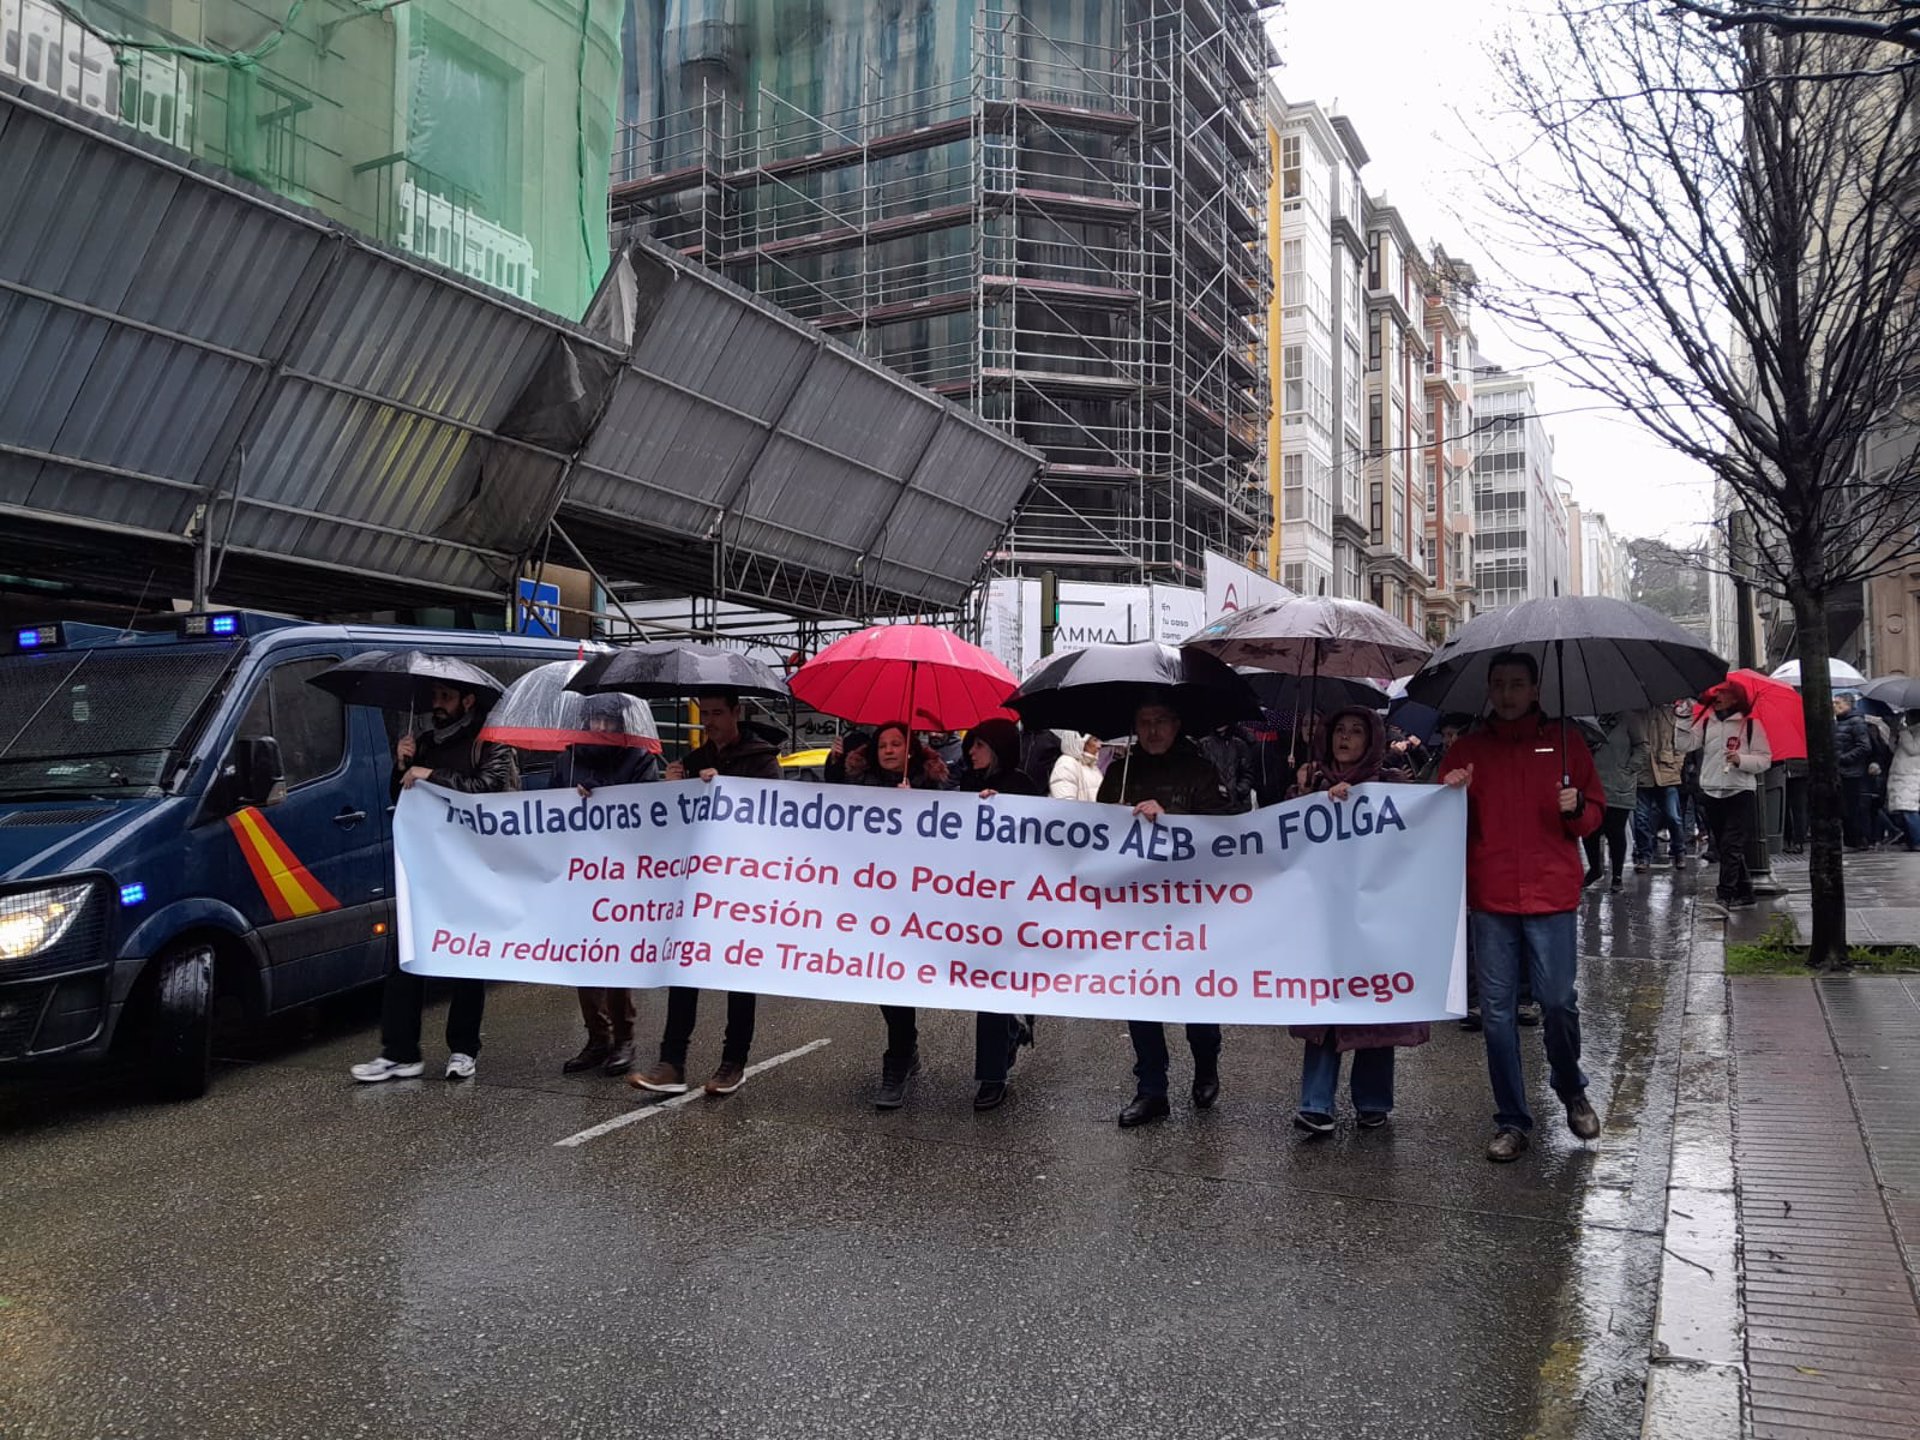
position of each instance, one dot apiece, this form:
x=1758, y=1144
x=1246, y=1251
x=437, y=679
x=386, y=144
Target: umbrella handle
x=1560, y=674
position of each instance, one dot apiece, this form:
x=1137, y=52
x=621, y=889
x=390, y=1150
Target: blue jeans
x=1909, y=823
x=1371, y=1082
x=1654, y=803
x=1543, y=947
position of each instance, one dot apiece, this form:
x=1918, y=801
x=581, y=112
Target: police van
x=183, y=818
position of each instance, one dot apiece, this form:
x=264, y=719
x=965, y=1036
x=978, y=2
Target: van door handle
x=348, y=818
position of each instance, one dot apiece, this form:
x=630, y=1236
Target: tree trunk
x=1826, y=850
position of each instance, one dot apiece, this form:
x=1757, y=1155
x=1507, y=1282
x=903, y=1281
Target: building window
x=1376, y=517
x=1293, y=290
x=1293, y=379
x=1290, y=169
x=1293, y=486
x=1294, y=577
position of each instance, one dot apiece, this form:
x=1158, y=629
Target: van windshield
x=103, y=723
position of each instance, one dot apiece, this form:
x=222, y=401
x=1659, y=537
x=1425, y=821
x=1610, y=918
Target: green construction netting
x=474, y=133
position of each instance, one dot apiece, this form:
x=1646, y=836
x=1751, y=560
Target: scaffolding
x=1062, y=234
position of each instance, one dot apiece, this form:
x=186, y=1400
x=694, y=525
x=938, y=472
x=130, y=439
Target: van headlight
x=36, y=919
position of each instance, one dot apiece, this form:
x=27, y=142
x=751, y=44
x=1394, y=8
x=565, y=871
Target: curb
x=1696, y=1378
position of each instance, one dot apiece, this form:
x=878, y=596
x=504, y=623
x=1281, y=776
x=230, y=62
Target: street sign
x=537, y=609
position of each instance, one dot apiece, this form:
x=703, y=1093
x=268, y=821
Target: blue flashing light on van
x=183, y=817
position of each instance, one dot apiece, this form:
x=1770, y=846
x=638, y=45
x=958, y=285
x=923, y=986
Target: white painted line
x=647, y=1112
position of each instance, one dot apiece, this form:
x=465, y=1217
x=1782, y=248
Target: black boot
x=1143, y=1108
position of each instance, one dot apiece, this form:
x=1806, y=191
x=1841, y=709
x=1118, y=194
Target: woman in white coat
x=1903, y=780
x=1076, y=774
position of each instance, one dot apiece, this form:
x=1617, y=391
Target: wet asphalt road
x=298, y=1256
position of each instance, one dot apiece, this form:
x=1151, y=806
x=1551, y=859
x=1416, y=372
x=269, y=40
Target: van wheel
x=181, y=1035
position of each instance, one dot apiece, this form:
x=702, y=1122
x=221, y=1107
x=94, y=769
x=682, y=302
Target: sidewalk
x=1825, y=1105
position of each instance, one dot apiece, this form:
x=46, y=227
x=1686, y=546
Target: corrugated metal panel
x=161, y=322
x=169, y=334
x=737, y=422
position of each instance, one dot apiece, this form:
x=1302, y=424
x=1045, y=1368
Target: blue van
x=184, y=818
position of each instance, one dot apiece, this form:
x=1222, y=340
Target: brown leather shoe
x=661, y=1079
x=727, y=1079
x=1581, y=1120
x=1507, y=1146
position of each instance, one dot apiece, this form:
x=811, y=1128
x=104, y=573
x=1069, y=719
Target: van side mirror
x=253, y=774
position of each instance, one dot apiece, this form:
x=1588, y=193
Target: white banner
x=1308, y=912
x=1177, y=613
x=1231, y=586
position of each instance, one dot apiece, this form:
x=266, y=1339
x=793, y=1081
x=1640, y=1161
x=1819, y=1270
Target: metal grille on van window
x=21, y=818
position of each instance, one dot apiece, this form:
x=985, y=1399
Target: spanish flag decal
x=290, y=890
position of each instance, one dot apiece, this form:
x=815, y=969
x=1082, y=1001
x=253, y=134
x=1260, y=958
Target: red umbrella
x=926, y=676
x=1777, y=707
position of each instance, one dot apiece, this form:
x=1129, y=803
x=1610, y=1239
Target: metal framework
x=1065, y=238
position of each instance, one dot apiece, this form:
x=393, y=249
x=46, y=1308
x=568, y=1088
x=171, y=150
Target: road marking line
x=647, y=1112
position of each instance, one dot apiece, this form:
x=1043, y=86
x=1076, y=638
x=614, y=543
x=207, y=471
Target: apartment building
x=1521, y=545
x=1448, y=479
x=1397, y=281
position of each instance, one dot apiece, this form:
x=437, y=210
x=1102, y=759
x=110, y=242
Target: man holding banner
x=1166, y=774
x=1532, y=795
x=728, y=750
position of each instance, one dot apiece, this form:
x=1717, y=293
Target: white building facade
x=1521, y=548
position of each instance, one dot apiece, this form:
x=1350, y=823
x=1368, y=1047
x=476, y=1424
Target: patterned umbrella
x=1315, y=635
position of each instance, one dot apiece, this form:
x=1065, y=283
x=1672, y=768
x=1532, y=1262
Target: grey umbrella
x=402, y=679
x=1902, y=692
x=1315, y=635
x=1596, y=657
x=664, y=670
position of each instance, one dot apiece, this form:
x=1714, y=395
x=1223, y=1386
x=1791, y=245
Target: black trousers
x=1856, y=809
x=903, y=1033
x=1614, y=830
x=1795, y=824
x=994, y=1037
x=683, y=1011
x=400, y=1010
x=1730, y=820
x=1150, y=1053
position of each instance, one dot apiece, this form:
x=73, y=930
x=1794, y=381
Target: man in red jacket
x=1532, y=794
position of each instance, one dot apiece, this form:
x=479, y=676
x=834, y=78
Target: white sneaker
x=374, y=1071
x=460, y=1067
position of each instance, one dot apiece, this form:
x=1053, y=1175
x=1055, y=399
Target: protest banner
x=1314, y=911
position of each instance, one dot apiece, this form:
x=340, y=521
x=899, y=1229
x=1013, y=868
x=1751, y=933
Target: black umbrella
x=1596, y=657
x=1291, y=693
x=403, y=679
x=1900, y=692
x=1097, y=689
x=664, y=670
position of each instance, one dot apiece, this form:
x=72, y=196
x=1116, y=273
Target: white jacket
x=1709, y=736
x=1074, y=777
x=1903, y=781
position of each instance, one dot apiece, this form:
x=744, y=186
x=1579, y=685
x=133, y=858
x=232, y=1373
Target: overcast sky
x=1401, y=70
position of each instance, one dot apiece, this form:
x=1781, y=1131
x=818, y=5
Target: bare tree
x=1718, y=231
x=1891, y=22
